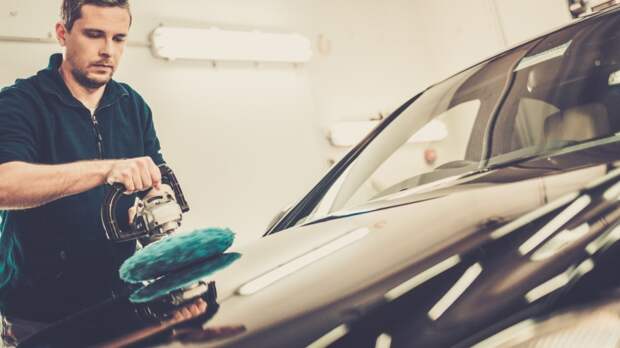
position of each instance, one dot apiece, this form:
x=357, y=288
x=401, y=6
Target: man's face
x=95, y=44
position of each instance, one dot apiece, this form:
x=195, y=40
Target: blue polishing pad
x=174, y=253
x=182, y=279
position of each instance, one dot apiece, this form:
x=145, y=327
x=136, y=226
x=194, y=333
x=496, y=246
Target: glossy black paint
x=361, y=286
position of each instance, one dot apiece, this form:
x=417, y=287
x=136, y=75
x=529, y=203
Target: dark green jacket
x=55, y=259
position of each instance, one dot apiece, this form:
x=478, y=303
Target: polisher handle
x=108, y=208
x=168, y=177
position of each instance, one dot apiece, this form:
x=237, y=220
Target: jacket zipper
x=97, y=129
x=97, y=135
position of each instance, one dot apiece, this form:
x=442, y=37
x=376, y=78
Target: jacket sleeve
x=151, y=142
x=149, y=135
x=18, y=127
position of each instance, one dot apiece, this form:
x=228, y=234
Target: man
x=64, y=133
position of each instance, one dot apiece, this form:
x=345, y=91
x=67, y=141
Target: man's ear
x=61, y=33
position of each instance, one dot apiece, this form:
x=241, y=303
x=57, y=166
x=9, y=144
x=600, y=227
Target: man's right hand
x=136, y=174
x=27, y=185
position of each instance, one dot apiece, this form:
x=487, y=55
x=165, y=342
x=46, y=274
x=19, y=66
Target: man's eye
x=119, y=39
x=93, y=35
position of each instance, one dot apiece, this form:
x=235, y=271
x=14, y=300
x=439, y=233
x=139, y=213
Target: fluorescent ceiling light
x=346, y=134
x=603, y=179
x=612, y=193
x=330, y=337
x=455, y=291
x=559, y=281
x=229, y=45
x=552, y=226
x=505, y=338
x=614, y=78
x=422, y=277
x=560, y=242
x=533, y=215
x=383, y=341
x=603, y=241
x=298, y=263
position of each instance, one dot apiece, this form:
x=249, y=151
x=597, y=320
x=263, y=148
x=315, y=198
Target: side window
x=565, y=91
x=530, y=122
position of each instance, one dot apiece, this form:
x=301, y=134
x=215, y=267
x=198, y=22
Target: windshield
x=437, y=136
x=546, y=95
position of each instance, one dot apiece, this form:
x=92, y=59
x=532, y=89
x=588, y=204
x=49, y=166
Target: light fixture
x=612, y=193
x=229, y=45
x=533, y=215
x=552, y=226
x=455, y=291
x=383, y=341
x=614, y=78
x=422, y=277
x=559, y=281
x=560, y=242
x=603, y=240
x=330, y=337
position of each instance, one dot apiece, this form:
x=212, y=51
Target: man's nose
x=107, y=49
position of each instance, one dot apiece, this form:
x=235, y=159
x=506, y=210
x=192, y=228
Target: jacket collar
x=53, y=83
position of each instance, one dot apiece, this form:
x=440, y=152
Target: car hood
x=298, y=284
x=383, y=241
x=418, y=224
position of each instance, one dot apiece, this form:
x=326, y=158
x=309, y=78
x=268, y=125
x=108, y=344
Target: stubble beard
x=86, y=82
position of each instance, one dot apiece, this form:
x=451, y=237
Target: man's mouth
x=106, y=66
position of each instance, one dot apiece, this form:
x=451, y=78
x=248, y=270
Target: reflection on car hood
x=397, y=237
x=420, y=217
x=301, y=283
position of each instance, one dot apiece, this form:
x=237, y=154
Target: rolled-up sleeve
x=17, y=127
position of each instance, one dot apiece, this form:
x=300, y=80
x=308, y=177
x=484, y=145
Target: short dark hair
x=71, y=10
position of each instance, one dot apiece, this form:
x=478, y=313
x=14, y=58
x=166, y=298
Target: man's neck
x=90, y=97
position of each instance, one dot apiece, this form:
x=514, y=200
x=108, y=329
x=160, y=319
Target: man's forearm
x=24, y=185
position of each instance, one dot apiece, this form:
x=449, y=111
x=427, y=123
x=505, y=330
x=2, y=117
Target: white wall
x=521, y=20
x=242, y=139
x=378, y=57
x=462, y=33
x=379, y=61
x=246, y=140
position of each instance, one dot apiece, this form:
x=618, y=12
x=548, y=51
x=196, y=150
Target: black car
x=483, y=212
